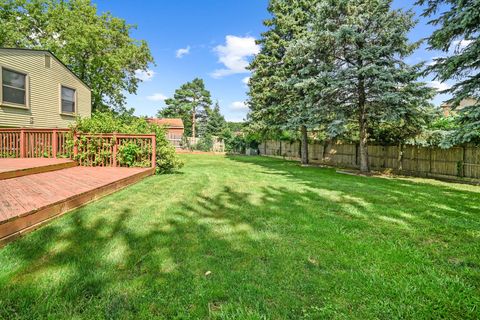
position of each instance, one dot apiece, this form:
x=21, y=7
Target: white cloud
x=157, y=97
x=432, y=61
x=144, y=75
x=245, y=80
x=182, y=52
x=234, y=54
x=238, y=105
x=461, y=44
x=439, y=86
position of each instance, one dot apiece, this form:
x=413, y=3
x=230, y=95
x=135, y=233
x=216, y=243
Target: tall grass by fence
x=460, y=161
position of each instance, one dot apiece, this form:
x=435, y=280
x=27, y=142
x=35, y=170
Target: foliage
x=235, y=126
x=205, y=143
x=369, y=84
x=239, y=142
x=280, y=241
x=191, y=102
x=128, y=153
x=275, y=103
x=96, y=47
x=109, y=122
x=216, y=123
x=458, y=31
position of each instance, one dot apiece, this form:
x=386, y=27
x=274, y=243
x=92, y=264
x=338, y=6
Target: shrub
x=205, y=143
x=109, y=122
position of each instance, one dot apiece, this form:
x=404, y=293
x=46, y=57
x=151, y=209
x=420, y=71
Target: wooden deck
x=29, y=201
x=17, y=167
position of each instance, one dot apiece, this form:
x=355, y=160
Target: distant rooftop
x=169, y=122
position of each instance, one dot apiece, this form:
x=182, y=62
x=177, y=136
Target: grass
x=254, y=238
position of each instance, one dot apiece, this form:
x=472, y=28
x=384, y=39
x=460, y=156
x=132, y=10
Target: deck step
x=14, y=168
x=32, y=201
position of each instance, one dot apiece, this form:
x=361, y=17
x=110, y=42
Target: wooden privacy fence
x=112, y=149
x=459, y=161
x=33, y=143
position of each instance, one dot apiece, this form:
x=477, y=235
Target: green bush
x=205, y=143
x=129, y=152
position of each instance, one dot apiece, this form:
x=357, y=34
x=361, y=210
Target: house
x=175, y=129
x=39, y=91
x=447, y=109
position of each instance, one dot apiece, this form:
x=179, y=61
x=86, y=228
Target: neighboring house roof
x=54, y=56
x=467, y=102
x=169, y=122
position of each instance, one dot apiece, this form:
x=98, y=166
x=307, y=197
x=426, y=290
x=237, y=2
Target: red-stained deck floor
x=15, y=164
x=28, y=194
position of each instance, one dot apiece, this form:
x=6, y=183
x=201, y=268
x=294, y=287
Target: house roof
x=169, y=122
x=54, y=56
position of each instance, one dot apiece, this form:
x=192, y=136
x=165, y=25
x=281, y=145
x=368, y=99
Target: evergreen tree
x=370, y=83
x=459, y=30
x=191, y=102
x=216, y=121
x=274, y=104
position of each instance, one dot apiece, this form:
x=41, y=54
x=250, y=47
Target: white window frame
x=27, y=89
x=60, y=100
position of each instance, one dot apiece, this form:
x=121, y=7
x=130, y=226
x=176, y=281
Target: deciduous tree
x=97, y=47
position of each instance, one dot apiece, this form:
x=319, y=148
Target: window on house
x=14, y=87
x=68, y=100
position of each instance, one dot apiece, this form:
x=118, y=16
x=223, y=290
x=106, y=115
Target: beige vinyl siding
x=43, y=94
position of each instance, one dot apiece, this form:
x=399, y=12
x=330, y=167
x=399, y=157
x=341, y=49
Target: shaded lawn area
x=252, y=237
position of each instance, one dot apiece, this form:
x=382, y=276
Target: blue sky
x=211, y=39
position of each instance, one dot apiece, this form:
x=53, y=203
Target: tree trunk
x=363, y=151
x=304, y=145
x=362, y=122
x=193, y=125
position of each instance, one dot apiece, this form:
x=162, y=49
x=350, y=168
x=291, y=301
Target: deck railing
x=115, y=150
x=110, y=149
x=33, y=143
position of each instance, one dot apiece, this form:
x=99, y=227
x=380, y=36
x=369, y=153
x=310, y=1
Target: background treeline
x=335, y=69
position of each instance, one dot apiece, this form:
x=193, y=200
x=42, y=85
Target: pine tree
x=216, y=121
x=191, y=102
x=274, y=104
x=459, y=30
x=370, y=83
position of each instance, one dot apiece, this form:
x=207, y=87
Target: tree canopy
x=346, y=73
x=457, y=35
x=97, y=47
x=191, y=102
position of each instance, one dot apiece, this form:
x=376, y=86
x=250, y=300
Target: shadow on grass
x=306, y=242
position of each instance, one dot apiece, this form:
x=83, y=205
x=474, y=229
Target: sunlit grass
x=251, y=237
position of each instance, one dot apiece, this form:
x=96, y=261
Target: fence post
x=54, y=143
x=400, y=157
x=430, y=160
x=22, y=144
x=464, y=156
x=75, y=145
x=115, y=149
x=154, y=150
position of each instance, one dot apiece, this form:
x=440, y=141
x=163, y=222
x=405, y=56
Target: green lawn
x=254, y=238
